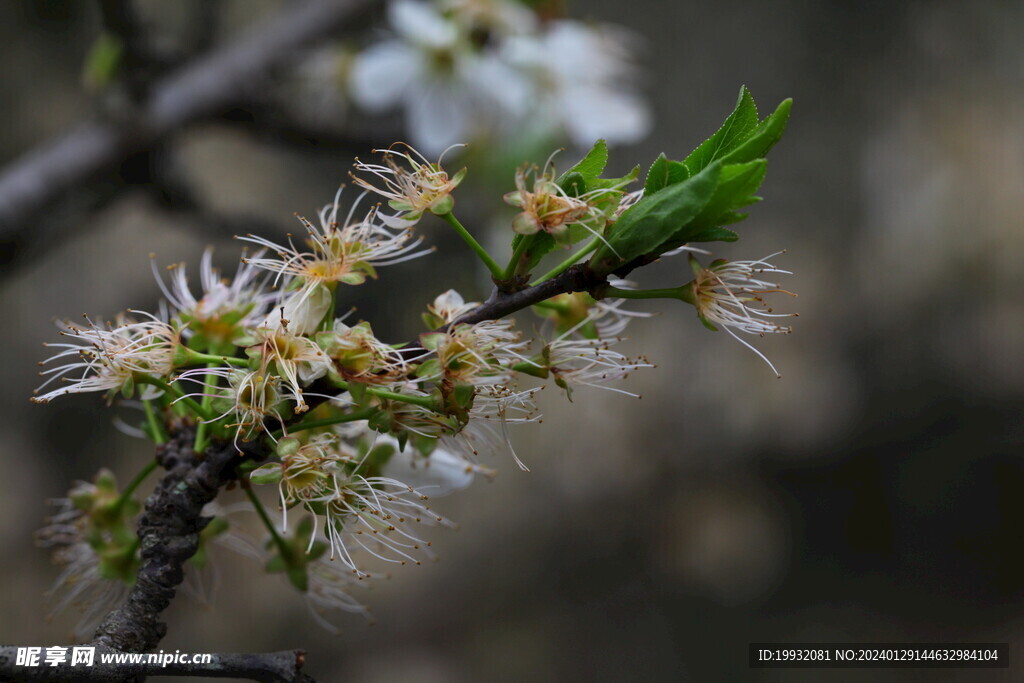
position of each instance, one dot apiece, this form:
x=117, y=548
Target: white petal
x=438, y=116
x=438, y=475
x=383, y=73
x=448, y=300
x=303, y=310
x=592, y=113
x=419, y=23
x=396, y=221
x=499, y=84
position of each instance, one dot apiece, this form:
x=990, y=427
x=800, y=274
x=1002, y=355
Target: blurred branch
x=269, y=667
x=171, y=188
x=207, y=87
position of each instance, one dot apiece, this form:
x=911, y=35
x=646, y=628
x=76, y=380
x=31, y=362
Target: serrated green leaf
x=592, y=165
x=607, y=183
x=715, y=234
x=739, y=125
x=736, y=188
x=648, y=224
x=763, y=138
x=664, y=173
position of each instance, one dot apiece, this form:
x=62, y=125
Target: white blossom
x=431, y=69
x=109, y=358
x=582, y=76
x=730, y=294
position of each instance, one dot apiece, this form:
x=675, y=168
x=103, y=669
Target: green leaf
x=740, y=124
x=713, y=234
x=648, y=224
x=736, y=186
x=606, y=183
x=542, y=244
x=573, y=183
x=736, y=189
x=664, y=173
x=592, y=165
x=763, y=138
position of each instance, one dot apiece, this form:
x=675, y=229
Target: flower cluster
x=466, y=68
x=356, y=433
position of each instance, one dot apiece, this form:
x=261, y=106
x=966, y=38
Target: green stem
x=610, y=292
x=496, y=270
x=211, y=360
x=428, y=402
x=203, y=428
x=590, y=246
x=525, y=243
x=134, y=484
x=174, y=391
x=327, y=421
x=552, y=306
x=262, y=512
x=327, y=324
x=156, y=427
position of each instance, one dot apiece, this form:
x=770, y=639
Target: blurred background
x=873, y=493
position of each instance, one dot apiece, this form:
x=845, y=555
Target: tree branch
x=268, y=667
x=169, y=534
x=207, y=87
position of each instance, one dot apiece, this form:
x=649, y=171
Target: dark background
x=871, y=494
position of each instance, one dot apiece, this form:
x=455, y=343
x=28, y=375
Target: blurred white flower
x=581, y=77
x=438, y=474
x=432, y=70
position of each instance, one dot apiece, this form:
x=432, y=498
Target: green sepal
x=128, y=387
x=707, y=323
x=539, y=371
x=358, y=392
x=429, y=368
x=574, y=184
x=270, y=473
x=431, y=340
x=424, y=445
x=443, y=205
